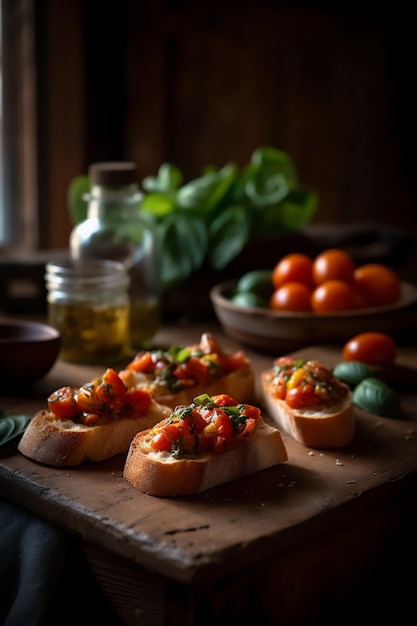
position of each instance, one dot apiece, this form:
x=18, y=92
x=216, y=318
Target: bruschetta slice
x=213, y=440
x=91, y=423
x=179, y=374
x=306, y=401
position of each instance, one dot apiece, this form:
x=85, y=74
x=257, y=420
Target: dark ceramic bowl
x=28, y=350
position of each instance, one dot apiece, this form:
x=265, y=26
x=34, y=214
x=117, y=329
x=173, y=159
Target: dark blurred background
x=207, y=82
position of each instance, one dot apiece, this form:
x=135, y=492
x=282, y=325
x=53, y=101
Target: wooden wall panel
x=199, y=83
x=61, y=104
x=319, y=84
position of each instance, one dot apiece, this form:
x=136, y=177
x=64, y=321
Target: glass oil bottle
x=116, y=229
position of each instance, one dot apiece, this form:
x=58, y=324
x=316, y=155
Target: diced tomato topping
x=233, y=361
x=217, y=424
x=111, y=385
x=143, y=362
x=89, y=419
x=62, y=403
x=305, y=383
x=302, y=396
x=87, y=399
x=193, y=369
x=199, y=422
x=160, y=442
x=105, y=396
x=223, y=399
x=280, y=389
x=139, y=400
x=224, y=424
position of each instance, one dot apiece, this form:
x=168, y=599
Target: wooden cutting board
x=189, y=539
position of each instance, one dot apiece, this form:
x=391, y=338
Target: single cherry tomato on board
x=333, y=264
x=293, y=268
x=291, y=297
x=377, y=284
x=372, y=348
x=333, y=295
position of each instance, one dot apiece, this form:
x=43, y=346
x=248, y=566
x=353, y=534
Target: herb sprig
x=11, y=426
x=211, y=218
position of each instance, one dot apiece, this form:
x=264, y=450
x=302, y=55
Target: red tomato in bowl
x=377, y=284
x=333, y=264
x=334, y=295
x=372, y=348
x=291, y=297
x=293, y=268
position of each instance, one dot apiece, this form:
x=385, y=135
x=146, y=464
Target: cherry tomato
x=295, y=267
x=302, y=396
x=333, y=295
x=222, y=423
x=291, y=297
x=138, y=400
x=333, y=264
x=110, y=387
x=161, y=442
x=62, y=403
x=89, y=419
x=193, y=369
x=223, y=399
x=142, y=362
x=87, y=399
x=229, y=362
x=377, y=284
x=372, y=348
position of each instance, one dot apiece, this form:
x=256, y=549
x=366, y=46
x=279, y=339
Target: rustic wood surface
x=234, y=526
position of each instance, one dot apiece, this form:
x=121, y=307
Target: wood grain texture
x=234, y=526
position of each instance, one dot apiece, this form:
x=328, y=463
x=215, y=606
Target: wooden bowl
x=279, y=332
x=28, y=350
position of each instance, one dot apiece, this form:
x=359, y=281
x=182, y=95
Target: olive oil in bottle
x=116, y=229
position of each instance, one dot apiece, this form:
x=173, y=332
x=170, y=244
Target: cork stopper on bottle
x=113, y=173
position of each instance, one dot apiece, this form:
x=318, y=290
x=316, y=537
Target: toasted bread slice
x=67, y=443
x=330, y=425
x=164, y=473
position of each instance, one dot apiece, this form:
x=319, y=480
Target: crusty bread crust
x=330, y=427
x=161, y=474
x=60, y=442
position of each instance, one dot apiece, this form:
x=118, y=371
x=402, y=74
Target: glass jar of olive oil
x=88, y=302
x=116, y=228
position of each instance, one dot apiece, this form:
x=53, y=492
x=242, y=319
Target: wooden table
x=307, y=542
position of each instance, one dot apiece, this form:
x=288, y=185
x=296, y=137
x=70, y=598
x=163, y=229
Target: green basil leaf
x=266, y=191
x=184, y=243
x=159, y=204
x=205, y=193
x=229, y=233
x=289, y=215
x=375, y=396
x=6, y=429
x=11, y=426
x=169, y=179
x=270, y=159
x=351, y=372
x=77, y=205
